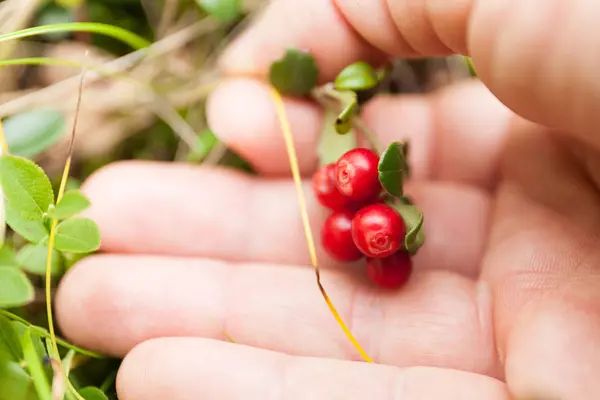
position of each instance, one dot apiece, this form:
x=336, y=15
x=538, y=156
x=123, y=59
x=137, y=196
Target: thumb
x=540, y=58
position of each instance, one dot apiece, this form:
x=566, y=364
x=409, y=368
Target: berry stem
x=330, y=98
x=289, y=143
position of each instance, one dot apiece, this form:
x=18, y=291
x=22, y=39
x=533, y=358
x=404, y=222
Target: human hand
x=505, y=290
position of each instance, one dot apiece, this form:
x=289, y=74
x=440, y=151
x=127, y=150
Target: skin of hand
x=505, y=298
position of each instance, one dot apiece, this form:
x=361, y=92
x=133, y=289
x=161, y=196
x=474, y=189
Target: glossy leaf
x=73, y=202
x=26, y=187
x=393, y=168
x=92, y=393
x=77, y=235
x=15, y=382
x=33, y=230
x=29, y=133
x=331, y=145
x=15, y=288
x=35, y=367
x=8, y=256
x=9, y=339
x=223, y=10
x=356, y=76
x=296, y=74
x=32, y=258
x=413, y=219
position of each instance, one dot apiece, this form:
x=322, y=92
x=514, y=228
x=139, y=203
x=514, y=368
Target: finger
x=171, y=209
x=440, y=128
x=438, y=319
x=186, y=368
x=541, y=72
x=542, y=265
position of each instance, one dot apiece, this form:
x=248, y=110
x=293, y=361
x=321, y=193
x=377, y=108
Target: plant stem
x=45, y=334
x=289, y=143
x=326, y=93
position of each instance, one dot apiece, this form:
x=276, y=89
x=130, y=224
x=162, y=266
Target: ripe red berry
x=336, y=237
x=326, y=191
x=390, y=272
x=378, y=230
x=356, y=175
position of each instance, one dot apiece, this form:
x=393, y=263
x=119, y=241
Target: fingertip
x=241, y=113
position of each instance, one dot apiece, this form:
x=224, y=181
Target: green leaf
x=7, y=256
x=331, y=145
x=92, y=393
x=343, y=122
x=15, y=382
x=413, y=219
x=296, y=74
x=33, y=230
x=393, y=168
x=36, y=339
x=30, y=133
x=357, y=76
x=15, y=289
x=72, y=202
x=26, y=187
x=77, y=235
x=32, y=258
x=35, y=367
x=9, y=339
x=223, y=10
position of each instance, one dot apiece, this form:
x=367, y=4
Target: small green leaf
x=35, y=367
x=393, y=168
x=26, y=187
x=15, y=382
x=33, y=230
x=7, y=256
x=31, y=132
x=343, y=122
x=296, y=74
x=332, y=145
x=72, y=202
x=9, y=339
x=32, y=258
x=92, y=393
x=357, y=76
x=36, y=339
x=413, y=219
x=77, y=235
x=223, y=10
x=15, y=289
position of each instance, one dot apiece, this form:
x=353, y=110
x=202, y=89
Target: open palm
x=505, y=294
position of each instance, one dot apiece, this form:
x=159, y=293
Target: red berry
x=327, y=193
x=390, y=272
x=378, y=230
x=356, y=175
x=336, y=237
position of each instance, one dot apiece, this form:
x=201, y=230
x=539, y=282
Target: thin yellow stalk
x=291, y=150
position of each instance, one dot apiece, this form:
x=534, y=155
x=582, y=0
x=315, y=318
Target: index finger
x=339, y=32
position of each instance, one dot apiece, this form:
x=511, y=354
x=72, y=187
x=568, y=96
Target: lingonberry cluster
x=361, y=223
